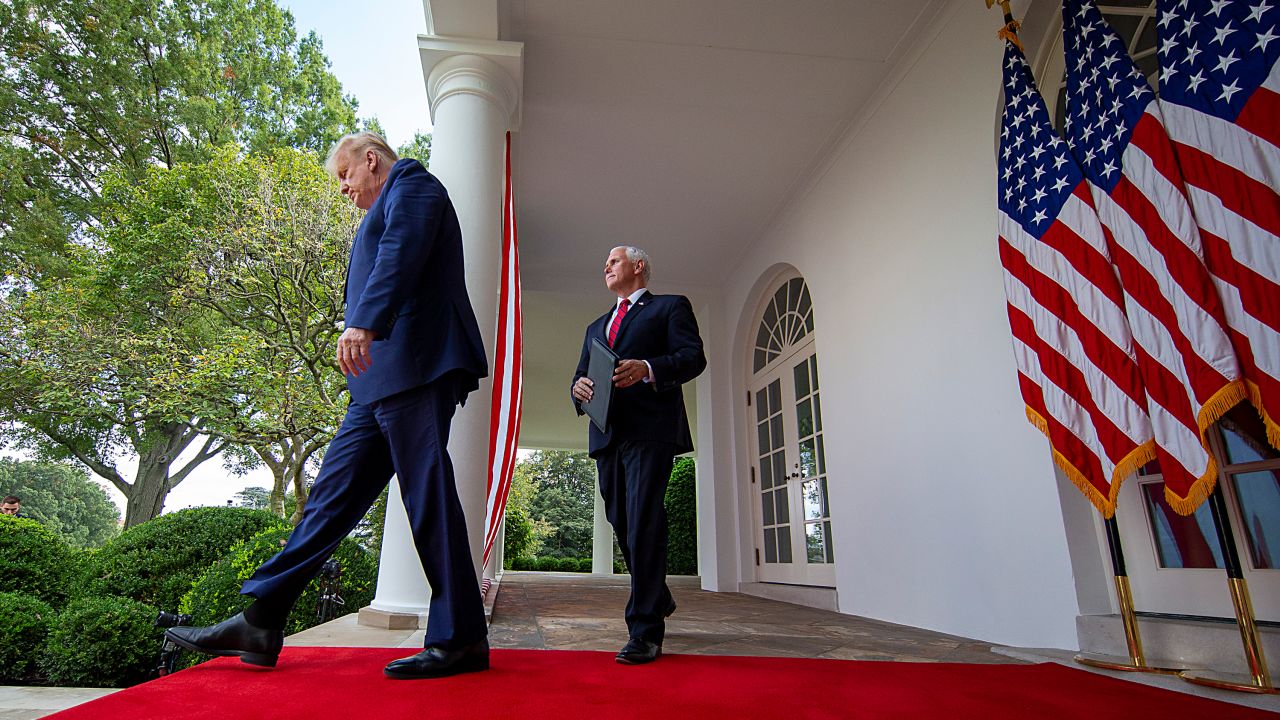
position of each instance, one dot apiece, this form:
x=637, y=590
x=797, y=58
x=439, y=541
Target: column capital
x=489, y=69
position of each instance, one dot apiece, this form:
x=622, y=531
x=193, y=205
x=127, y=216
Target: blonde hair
x=359, y=142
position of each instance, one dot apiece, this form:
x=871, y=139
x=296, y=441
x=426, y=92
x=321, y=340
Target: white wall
x=945, y=505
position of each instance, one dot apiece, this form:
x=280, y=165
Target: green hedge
x=156, y=562
x=552, y=564
x=215, y=595
x=35, y=561
x=682, y=520
x=25, y=623
x=102, y=642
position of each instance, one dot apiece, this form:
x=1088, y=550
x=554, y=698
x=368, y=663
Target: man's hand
x=353, y=351
x=630, y=372
x=583, y=389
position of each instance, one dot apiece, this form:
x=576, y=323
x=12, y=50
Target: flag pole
x=1137, y=661
x=1258, y=680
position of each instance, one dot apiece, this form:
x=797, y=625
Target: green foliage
x=215, y=595
x=156, y=562
x=63, y=499
x=682, y=519
x=35, y=561
x=102, y=642
x=136, y=84
x=27, y=620
x=519, y=535
x=419, y=148
x=522, y=562
x=557, y=490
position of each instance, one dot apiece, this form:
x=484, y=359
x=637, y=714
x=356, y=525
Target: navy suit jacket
x=662, y=330
x=406, y=282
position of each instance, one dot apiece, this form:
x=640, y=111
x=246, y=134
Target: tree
x=63, y=499
x=418, y=148
x=562, y=500
x=134, y=84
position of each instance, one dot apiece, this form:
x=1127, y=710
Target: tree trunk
x=150, y=486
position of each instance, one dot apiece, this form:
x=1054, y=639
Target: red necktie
x=617, y=321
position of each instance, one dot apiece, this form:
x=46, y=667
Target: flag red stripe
x=1065, y=376
x=1187, y=270
x=1110, y=359
x=1259, y=114
x=1259, y=295
x=1240, y=193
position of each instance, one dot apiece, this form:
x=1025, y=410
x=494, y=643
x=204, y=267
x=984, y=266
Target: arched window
x=787, y=319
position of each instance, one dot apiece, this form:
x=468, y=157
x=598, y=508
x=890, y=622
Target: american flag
x=1219, y=86
x=1072, y=345
x=508, y=380
x=1116, y=133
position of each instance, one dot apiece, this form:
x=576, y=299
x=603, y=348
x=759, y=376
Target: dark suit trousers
x=407, y=434
x=633, y=483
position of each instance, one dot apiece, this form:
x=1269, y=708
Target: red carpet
x=347, y=683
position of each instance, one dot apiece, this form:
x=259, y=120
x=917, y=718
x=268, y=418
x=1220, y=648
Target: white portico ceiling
x=682, y=126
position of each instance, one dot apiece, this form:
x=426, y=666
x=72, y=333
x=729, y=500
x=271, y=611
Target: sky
x=373, y=51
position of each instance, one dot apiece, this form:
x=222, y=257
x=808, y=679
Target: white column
x=403, y=594
x=472, y=100
x=601, y=538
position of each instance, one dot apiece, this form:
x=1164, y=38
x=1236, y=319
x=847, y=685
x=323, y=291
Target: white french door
x=793, y=542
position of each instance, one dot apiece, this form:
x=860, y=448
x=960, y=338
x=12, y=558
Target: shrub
x=35, y=561
x=682, y=520
x=567, y=564
x=26, y=622
x=584, y=565
x=215, y=595
x=546, y=564
x=523, y=562
x=156, y=562
x=102, y=642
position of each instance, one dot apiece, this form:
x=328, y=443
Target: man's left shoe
x=639, y=652
x=234, y=636
x=434, y=662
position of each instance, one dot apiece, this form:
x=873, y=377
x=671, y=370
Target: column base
x=390, y=619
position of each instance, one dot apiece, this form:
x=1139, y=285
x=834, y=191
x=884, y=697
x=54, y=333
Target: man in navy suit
x=411, y=351
x=656, y=340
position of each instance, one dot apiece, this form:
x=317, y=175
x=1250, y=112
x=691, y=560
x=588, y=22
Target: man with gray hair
x=655, y=338
x=411, y=351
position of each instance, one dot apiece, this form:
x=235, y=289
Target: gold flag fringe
x=1106, y=504
x=1010, y=32
x=1273, y=428
x=1211, y=412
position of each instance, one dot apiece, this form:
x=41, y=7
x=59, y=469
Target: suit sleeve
x=582, y=369
x=413, y=214
x=684, y=360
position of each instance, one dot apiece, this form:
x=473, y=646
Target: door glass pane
x=817, y=412
x=804, y=419
x=831, y=556
x=1182, y=541
x=815, y=545
x=826, y=505
x=766, y=504
x=801, y=373
x=808, y=461
x=762, y=405
x=775, y=396
x=784, y=508
x=766, y=474
x=813, y=504
x=784, y=544
x=779, y=468
x=1259, y=496
x=822, y=457
x=1245, y=437
x=813, y=370
x=770, y=545
x=763, y=432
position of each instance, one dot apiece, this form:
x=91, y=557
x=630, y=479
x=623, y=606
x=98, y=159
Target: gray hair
x=635, y=255
x=359, y=142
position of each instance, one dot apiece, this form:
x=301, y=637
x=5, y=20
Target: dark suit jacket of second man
x=661, y=329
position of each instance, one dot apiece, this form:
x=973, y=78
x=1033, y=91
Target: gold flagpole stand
x=1258, y=680
x=1137, y=661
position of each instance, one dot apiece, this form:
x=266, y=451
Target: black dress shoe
x=234, y=636
x=435, y=662
x=639, y=652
